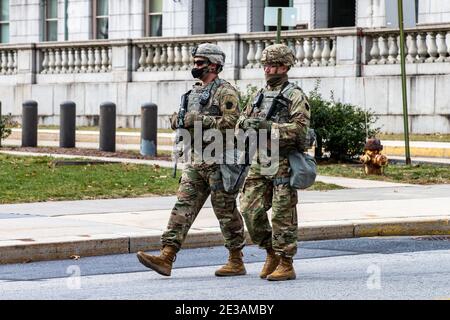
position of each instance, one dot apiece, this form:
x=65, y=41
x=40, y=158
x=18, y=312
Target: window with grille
x=341, y=13
x=4, y=21
x=153, y=19
x=50, y=20
x=216, y=16
x=101, y=19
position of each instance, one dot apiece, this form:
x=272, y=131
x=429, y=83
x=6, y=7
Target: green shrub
x=341, y=129
x=245, y=97
x=5, y=124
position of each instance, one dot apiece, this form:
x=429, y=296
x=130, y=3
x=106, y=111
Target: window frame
x=95, y=19
x=4, y=22
x=207, y=21
x=148, y=15
x=46, y=20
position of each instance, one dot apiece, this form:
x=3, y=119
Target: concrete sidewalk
x=59, y=230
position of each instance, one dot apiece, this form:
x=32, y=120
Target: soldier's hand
x=250, y=123
x=190, y=118
x=265, y=124
x=256, y=124
x=174, y=121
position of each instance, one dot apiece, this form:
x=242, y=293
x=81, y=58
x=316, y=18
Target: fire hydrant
x=374, y=162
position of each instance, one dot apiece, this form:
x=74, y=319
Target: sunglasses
x=200, y=63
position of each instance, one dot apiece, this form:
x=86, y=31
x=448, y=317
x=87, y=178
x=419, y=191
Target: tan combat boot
x=235, y=265
x=284, y=271
x=272, y=261
x=162, y=263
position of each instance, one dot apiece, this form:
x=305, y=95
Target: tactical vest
x=201, y=99
x=282, y=116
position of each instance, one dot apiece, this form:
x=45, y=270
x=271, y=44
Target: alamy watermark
x=374, y=280
x=213, y=146
x=73, y=282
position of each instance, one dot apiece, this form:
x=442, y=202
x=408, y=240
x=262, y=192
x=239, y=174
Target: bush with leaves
x=341, y=129
x=244, y=97
x=6, y=123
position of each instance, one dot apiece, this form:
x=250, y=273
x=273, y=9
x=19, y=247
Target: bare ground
x=87, y=152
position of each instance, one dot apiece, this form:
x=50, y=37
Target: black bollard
x=108, y=127
x=29, y=123
x=67, y=123
x=149, y=129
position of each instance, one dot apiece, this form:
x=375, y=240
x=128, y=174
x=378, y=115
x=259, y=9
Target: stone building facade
x=135, y=51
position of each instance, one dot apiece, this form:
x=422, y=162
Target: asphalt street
x=373, y=268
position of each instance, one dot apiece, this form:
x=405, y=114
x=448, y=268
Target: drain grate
x=434, y=238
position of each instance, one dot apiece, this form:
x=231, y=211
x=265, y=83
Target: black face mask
x=199, y=73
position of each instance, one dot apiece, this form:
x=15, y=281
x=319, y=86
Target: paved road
x=375, y=268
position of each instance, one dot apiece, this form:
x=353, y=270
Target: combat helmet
x=278, y=54
x=210, y=51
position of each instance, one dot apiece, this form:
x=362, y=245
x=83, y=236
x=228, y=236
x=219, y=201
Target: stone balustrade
x=165, y=56
x=309, y=51
x=75, y=59
x=174, y=53
x=8, y=62
x=422, y=46
x=318, y=52
x=360, y=66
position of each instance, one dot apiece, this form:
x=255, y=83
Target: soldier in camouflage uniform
x=214, y=103
x=262, y=192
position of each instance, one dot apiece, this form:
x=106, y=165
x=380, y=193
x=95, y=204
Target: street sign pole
x=280, y=17
x=404, y=89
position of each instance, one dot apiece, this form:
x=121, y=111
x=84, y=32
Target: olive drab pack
x=233, y=174
x=303, y=170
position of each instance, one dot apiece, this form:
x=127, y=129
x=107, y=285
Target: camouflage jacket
x=222, y=110
x=291, y=131
x=220, y=113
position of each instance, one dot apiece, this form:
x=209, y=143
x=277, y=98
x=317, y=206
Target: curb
x=391, y=148
x=417, y=152
x=107, y=245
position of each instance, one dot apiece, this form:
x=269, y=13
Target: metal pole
x=404, y=89
x=149, y=129
x=29, y=123
x=108, y=127
x=67, y=121
x=280, y=18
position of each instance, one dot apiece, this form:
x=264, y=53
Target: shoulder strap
x=212, y=91
x=288, y=86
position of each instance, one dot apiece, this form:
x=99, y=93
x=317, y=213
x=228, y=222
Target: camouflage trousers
x=196, y=184
x=259, y=194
